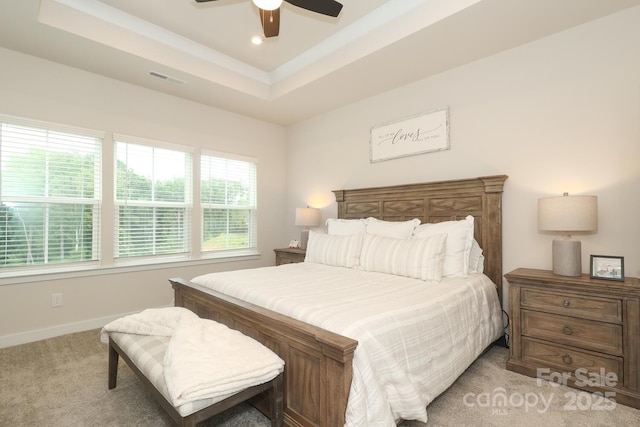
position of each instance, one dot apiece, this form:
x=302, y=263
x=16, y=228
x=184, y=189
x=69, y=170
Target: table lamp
x=567, y=214
x=306, y=217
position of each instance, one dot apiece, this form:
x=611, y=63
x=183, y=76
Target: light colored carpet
x=63, y=382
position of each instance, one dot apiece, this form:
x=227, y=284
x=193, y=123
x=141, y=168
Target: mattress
x=415, y=338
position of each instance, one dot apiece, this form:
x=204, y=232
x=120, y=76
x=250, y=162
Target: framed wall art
x=607, y=267
x=420, y=134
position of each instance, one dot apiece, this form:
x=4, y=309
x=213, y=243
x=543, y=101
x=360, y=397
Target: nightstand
x=289, y=255
x=582, y=331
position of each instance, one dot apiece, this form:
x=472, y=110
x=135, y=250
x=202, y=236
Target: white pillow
x=418, y=258
x=339, y=251
x=458, y=247
x=397, y=229
x=345, y=226
x=476, y=259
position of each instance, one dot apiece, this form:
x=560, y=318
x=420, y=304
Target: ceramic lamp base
x=304, y=239
x=567, y=255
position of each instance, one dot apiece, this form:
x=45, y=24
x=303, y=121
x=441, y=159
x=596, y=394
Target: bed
x=319, y=372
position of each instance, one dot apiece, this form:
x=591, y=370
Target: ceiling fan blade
x=204, y=1
x=325, y=7
x=270, y=22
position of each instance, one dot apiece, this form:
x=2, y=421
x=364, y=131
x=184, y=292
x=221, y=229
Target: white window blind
x=152, y=200
x=229, y=203
x=50, y=194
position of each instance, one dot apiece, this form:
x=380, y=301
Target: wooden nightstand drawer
x=287, y=260
x=564, y=323
x=572, y=305
x=567, y=359
x=583, y=333
x=289, y=255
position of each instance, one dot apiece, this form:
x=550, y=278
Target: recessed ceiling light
x=257, y=40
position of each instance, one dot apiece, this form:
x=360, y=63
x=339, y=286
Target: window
x=56, y=216
x=229, y=205
x=152, y=199
x=50, y=194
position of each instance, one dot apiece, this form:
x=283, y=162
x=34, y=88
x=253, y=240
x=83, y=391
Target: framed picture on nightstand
x=607, y=267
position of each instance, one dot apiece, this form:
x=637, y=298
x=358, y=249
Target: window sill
x=17, y=277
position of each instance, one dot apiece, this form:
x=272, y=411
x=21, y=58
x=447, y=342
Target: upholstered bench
x=145, y=355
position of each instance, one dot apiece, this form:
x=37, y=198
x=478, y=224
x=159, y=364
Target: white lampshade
x=566, y=214
x=307, y=217
x=268, y=4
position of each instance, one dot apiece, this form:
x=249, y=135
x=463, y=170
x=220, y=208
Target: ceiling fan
x=270, y=11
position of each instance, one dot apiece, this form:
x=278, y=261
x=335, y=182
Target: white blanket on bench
x=204, y=359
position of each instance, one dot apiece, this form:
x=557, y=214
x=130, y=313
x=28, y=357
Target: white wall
x=559, y=114
x=38, y=89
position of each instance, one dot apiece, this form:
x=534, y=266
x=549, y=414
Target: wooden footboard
x=318, y=366
x=318, y=363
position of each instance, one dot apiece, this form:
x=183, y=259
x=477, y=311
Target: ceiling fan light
x=268, y=4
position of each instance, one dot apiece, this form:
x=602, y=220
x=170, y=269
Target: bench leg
x=113, y=365
x=275, y=389
x=277, y=401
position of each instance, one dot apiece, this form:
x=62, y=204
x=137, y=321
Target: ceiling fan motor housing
x=270, y=11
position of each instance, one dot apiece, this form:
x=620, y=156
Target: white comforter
x=414, y=337
x=204, y=359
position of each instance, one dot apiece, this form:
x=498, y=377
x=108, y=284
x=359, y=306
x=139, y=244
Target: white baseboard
x=56, y=331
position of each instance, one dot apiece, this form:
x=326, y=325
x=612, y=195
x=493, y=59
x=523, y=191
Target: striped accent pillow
x=459, y=242
x=418, y=258
x=336, y=250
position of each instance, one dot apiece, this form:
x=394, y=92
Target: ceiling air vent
x=167, y=78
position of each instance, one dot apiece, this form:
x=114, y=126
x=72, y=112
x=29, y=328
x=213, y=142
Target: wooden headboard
x=437, y=202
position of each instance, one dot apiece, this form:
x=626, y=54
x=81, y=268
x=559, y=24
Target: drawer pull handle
x=567, y=359
x=565, y=303
x=567, y=330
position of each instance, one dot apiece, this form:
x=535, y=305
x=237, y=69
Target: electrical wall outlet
x=56, y=300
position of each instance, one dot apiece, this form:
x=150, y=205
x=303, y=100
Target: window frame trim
x=97, y=201
x=252, y=208
x=186, y=206
x=104, y=243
